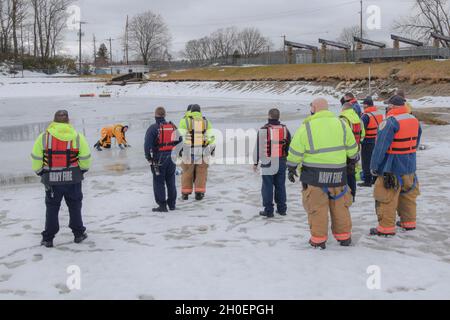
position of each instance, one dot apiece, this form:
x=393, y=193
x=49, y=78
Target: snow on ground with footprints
x=216, y=249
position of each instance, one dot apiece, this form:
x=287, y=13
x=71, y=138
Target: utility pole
x=284, y=47
x=95, y=52
x=362, y=32
x=80, y=34
x=110, y=50
x=126, y=42
x=110, y=53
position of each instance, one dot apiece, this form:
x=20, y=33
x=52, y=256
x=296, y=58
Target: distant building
x=125, y=69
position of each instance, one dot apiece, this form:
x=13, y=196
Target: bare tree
x=251, y=42
x=224, y=41
x=192, y=51
x=348, y=34
x=49, y=22
x=429, y=16
x=149, y=36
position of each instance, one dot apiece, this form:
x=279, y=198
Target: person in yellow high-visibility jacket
x=321, y=148
x=61, y=156
x=116, y=131
x=198, y=145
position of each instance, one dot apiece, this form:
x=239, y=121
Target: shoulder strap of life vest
x=70, y=152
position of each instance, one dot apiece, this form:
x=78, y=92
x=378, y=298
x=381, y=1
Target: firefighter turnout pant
x=194, y=177
x=389, y=202
x=73, y=197
x=318, y=203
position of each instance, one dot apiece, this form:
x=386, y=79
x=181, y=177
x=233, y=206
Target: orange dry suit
x=117, y=132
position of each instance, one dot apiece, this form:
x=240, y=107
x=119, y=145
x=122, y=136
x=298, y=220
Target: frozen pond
x=216, y=249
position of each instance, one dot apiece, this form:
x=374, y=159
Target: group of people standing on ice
x=323, y=154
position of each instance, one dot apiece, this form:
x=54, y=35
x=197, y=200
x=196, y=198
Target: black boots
x=399, y=224
x=161, y=209
x=80, y=239
x=97, y=146
x=47, y=243
x=77, y=240
x=267, y=215
x=375, y=232
x=346, y=243
x=199, y=196
x=322, y=245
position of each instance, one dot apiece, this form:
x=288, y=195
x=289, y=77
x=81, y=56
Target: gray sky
x=300, y=20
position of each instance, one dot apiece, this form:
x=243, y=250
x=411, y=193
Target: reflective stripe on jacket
x=322, y=145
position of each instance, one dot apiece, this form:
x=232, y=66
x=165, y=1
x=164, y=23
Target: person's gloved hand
x=292, y=174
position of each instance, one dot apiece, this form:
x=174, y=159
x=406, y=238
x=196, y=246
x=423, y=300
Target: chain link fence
x=308, y=57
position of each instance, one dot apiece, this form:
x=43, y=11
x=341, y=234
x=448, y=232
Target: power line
x=271, y=16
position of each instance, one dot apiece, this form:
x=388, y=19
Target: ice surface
x=216, y=249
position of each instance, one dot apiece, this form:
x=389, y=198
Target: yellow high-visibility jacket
x=196, y=130
x=321, y=146
x=63, y=132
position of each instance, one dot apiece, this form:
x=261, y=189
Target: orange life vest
x=60, y=162
x=375, y=119
x=406, y=139
x=277, y=136
x=59, y=154
x=167, y=137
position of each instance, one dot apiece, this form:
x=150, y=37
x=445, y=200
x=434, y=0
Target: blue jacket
x=398, y=164
x=151, y=140
x=357, y=109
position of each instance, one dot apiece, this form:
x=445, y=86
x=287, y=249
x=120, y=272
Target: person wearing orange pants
x=194, y=178
x=394, y=164
x=322, y=147
x=118, y=132
x=198, y=147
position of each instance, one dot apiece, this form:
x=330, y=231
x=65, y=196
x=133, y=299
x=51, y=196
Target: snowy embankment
x=216, y=249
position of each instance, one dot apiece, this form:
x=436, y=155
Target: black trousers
x=73, y=197
x=366, y=155
x=165, y=179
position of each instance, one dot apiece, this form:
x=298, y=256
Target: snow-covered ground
x=216, y=249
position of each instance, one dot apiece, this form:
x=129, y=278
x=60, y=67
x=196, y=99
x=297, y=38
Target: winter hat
x=397, y=101
x=196, y=108
x=368, y=101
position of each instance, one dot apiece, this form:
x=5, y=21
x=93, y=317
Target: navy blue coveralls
x=165, y=165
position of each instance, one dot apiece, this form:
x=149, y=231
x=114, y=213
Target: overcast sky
x=300, y=20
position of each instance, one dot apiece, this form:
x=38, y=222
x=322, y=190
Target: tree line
x=225, y=43
x=32, y=27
